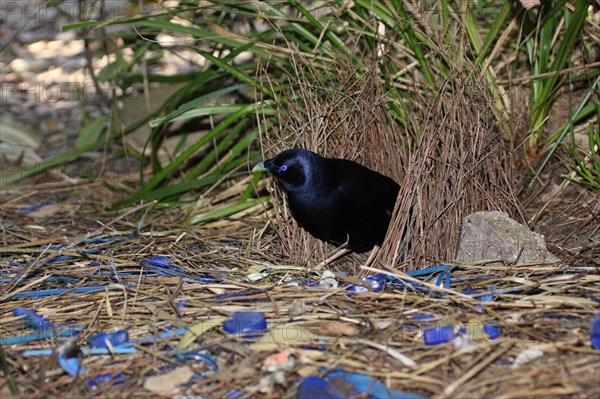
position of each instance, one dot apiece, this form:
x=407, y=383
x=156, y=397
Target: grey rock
x=494, y=235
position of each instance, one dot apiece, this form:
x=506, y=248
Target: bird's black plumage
x=335, y=200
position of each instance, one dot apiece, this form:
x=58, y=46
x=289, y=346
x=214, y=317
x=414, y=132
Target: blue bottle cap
x=247, y=325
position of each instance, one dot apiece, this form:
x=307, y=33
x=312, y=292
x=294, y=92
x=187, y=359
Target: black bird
x=335, y=200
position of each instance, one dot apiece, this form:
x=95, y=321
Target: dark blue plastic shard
x=376, y=281
x=361, y=384
x=439, y=335
x=116, y=338
x=595, y=332
x=34, y=320
x=247, y=325
x=313, y=387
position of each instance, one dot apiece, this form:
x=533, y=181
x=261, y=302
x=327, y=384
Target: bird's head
x=292, y=168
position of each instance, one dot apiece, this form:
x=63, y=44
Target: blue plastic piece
x=237, y=295
x=193, y=355
x=394, y=281
x=69, y=358
x=162, y=265
x=483, y=297
x=247, y=325
x=595, y=332
x=492, y=332
x=428, y=270
x=443, y=280
x=439, y=335
x=236, y=394
x=42, y=293
x=71, y=366
x=313, y=387
x=35, y=207
x=361, y=384
x=118, y=350
x=34, y=320
x=376, y=281
x=423, y=316
x=116, y=338
x=63, y=331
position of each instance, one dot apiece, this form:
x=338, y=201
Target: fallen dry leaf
x=168, y=383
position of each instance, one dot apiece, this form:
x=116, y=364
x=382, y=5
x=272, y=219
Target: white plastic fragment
x=328, y=280
x=526, y=356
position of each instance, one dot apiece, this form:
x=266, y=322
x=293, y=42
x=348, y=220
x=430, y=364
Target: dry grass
x=460, y=164
x=547, y=308
x=457, y=165
x=349, y=119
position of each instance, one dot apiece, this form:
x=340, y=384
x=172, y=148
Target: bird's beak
x=259, y=168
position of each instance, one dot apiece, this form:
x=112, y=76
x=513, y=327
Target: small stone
x=20, y=65
x=494, y=235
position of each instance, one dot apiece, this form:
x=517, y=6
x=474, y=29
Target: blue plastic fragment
x=488, y=297
x=200, y=357
x=182, y=304
x=394, y=281
x=42, y=293
x=595, y=331
x=313, y=387
x=69, y=358
x=159, y=261
x=162, y=265
x=443, y=280
x=423, y=316
x=62, y=331
x=35, y=207
x=247, y=325
x=60, y=258
x=34, y=320
x=439, y=335
x=428, y=270
x=119, y=350
x=483, y=297
x=71, y=366
x=236, y=394
x=238, y=294
x=492, y=332
x=160, y=336
x=360, y=384
x=376, y=281
x=99, y=340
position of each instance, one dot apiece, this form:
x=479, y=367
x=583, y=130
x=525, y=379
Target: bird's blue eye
x=283, y=168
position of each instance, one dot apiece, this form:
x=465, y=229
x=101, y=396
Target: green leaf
x=226, y=211
x=91, y=132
